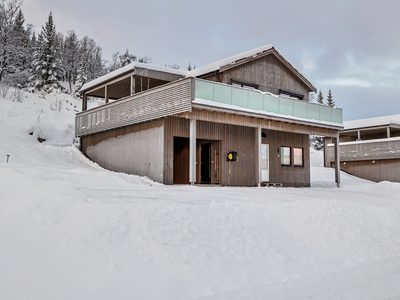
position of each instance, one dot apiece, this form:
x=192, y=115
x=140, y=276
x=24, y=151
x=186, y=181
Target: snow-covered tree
x=126, y=58
x=9, y=11
x=46, y=64
x=329, y=99
x=174, y=66
x=81, y=78
x=145, y=60
x=71, y=57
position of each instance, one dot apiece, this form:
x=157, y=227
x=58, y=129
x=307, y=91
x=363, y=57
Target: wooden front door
x=208, y=162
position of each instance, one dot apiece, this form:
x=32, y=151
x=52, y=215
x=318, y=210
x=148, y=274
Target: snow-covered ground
x=72, y=230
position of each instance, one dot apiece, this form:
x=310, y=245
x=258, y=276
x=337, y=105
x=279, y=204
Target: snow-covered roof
x=127, y=69
x=372, y=122
x=226, y=61
x=193, y=73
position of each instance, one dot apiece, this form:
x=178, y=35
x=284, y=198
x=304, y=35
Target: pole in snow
x=8, y=155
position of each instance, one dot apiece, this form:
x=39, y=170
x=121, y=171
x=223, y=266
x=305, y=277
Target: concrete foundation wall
x=139, y=153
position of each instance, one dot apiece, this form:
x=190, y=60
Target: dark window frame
x=291, y=94
x=302, y=157
x=242, y=83
x=281, y=150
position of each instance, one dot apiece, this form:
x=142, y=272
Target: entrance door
x=264, y=162
x=181, y=160
x=205, y=163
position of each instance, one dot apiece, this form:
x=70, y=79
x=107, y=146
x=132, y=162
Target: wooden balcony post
x=358, y=135
x=84, y=102
x=388, y=132
x=192, y=152
x=258, y=145
x=337, y=160
x=132, y=85
x=106, y=97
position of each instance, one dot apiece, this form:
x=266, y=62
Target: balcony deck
x=180, y=96
x=377, y=149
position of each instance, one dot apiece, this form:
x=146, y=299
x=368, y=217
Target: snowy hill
x=72, y=230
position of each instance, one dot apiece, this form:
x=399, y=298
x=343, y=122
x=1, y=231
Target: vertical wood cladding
x=242, y=140
x=268, y=72
x=378, y=170
x=287, y=175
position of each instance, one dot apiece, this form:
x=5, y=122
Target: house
x=242, y=121
x=369, y=148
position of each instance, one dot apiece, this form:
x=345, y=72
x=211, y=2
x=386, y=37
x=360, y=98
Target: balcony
x=266, y=102
x=388, y=148
x=179, y=96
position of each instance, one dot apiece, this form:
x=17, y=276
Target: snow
x=226, y=61
x=262, y=112
x=127, y=69
x=369, y=141
x=193, y=73
x=71, y=230
x=372, y=122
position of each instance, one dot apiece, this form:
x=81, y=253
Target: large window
x=298, y=157
x=285, y=156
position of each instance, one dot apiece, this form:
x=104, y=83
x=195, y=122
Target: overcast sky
x=351, y=47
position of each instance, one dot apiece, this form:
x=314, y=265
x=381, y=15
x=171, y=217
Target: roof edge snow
x=127, y=69
x=372, y=122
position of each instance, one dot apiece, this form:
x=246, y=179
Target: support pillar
x=388, y=132
x=258, y=145
x=337, y=160
x=106, y=97
x=84, y=102
x=358, y=135
x=192, y=152
x=132, y=85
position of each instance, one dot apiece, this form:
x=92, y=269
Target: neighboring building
x=242, y=121
x=369, y=148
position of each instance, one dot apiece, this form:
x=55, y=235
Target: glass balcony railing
x=257, y=100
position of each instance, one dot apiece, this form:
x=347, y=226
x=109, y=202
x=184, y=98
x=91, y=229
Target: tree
x=145, y=60
x=189, y=68
x=320, y=98
x=174, y=66
x=317, y=142
x=329, y=99
x=126, y=58
x=71, y=57
x=46, y=64
x=9, y=10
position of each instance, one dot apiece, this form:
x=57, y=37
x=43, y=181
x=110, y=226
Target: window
x=298, y=158
x=285, y=156
x=290, y=95
x=245, y=85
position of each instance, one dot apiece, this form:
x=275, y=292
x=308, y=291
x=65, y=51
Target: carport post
x=192, y=152
x=337, y=160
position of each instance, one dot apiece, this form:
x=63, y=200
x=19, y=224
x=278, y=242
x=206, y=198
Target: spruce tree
x=320, y=98
x=46, y=65
x=189, y=68
x=329, y=99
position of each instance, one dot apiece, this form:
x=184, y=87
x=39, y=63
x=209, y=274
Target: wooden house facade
x=369, y=148
x=242, y=121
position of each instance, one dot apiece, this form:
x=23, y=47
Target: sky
x=351, y=47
